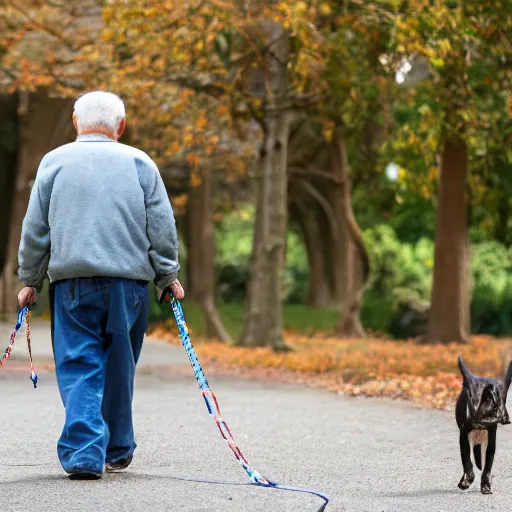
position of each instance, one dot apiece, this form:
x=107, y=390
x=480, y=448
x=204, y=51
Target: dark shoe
x=83, y=475
x=119, y=464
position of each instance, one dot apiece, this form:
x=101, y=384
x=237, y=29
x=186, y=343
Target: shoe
x=119, y=464
x=84, y=475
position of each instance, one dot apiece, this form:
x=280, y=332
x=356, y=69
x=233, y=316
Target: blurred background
x=336, y=167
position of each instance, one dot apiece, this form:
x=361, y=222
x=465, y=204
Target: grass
x=299, y=318
x=296, y=317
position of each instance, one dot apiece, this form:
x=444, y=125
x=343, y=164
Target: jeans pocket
x=71, y=294
x=140, y=291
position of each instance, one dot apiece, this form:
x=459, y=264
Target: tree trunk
x=354, y=261
x=449, y=317
x=9, y=132
x=319, y=289
x=338, y=246
x=201, y=257
x=263, y=319
x=194, y=238
x=336, y=256
x=263, y=314
x=44, y=124
x=214, y=326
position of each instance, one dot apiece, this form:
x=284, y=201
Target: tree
x=465, y=44
x=449, y=313
x=356, y=261
x=352, y=40
x=263, y=324
x=58, y=46
x=200, y=216
x=49, y=45
x=36, y=45
x=8, y=153
x=240, y=58
x=36, y=113
x=179, y=75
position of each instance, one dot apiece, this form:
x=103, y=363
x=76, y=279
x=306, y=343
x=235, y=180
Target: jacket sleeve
x=34, y=250
x=161, y=227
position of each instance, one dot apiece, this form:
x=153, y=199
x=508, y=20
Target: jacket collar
x=94, y=137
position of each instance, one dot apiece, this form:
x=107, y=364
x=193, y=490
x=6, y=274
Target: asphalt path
x=366, y=455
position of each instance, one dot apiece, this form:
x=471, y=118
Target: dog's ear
x=466, y=374
x=508, y=378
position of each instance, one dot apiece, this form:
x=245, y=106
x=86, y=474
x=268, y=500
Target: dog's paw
x=486, y=489
x=485, y=485
x=466, y=480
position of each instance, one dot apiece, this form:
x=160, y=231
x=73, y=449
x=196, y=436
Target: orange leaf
x=193, y=159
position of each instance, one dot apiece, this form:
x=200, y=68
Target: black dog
x=481, y=406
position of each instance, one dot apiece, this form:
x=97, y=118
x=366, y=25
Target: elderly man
x=99, y=223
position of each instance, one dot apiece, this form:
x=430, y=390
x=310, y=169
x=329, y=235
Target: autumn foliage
x=242, y=91
x=425, y=374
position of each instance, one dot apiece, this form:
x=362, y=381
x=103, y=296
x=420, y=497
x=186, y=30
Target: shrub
x=395, y=265
x=234, y=244
x=491, y=305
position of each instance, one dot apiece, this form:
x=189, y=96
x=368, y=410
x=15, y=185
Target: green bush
x=377, y=312
x=400, y=280
x=402, y=274
x=491, y=305
x=399, y=271
x=396, y=266
x=234, y=238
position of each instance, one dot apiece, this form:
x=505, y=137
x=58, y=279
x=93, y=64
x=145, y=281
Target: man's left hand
x=27, y=296
x=175, y=289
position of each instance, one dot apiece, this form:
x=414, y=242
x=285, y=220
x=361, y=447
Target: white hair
x=99, y=109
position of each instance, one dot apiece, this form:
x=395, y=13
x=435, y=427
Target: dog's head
x=486, y=397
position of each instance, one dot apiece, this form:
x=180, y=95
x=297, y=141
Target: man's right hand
x=27, y=296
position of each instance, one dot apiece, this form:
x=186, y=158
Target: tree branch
x=314, y=172
x=322, y=201
x=213, y=90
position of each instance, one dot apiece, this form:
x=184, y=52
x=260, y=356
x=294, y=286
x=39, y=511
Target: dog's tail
x=466, y=374
x=477, y=454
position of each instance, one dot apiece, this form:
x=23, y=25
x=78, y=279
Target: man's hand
x=27, y=296
x=177, y=290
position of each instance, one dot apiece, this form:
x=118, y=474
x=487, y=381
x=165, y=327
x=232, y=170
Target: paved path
x=369, y=456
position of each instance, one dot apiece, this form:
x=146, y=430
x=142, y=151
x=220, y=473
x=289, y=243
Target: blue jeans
x=98, y=326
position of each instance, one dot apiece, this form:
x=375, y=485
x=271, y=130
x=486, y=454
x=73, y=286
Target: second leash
x=23, y=318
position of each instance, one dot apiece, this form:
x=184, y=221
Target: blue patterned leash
x=213, y=409
x=23, y=318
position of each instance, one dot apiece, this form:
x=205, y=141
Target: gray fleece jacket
x=98, y=208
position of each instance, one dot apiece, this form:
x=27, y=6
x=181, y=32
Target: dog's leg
x=483, y=448
x=465, y=454
x=485, y=486
x=478, y=445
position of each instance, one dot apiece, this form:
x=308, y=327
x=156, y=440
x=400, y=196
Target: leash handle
x=23, y=318
x=214, y=410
